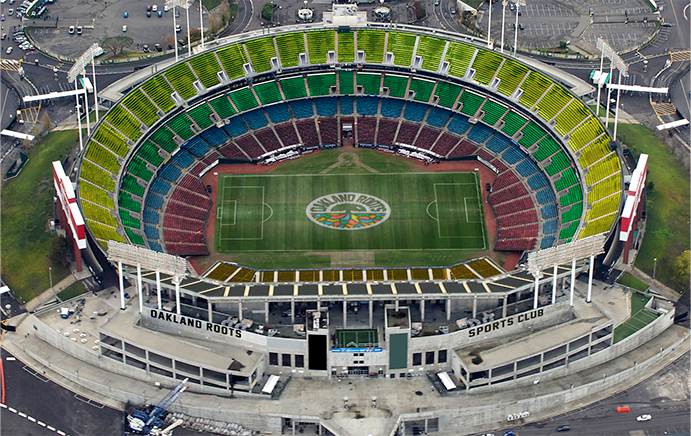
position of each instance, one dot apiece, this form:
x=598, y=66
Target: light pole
x=489, y=26
x=503, y=26
x=519, y=3
x=50, y=274
x=654, y=267
x=201, y=22
x=184, y=4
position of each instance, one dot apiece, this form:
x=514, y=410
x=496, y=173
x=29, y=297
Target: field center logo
x=348, y=211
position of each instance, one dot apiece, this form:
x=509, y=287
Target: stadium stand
x=287, y=134
x=293, y=88
x=401, y=45
x=533, y=87
x=396, y=85
x=278, y=113
x=201, y=115
x=320, y=84
x=268, y=92
x=181, y=77
x=366, y=128
x=140, y=105
x=319, y=42
x=459, y=55
x=233, y=58
x=261, y=50
x=447, y=93
x=222, y=106
x=206, y=67
x=346, y=83
x=431, y=50
x=346, y=47
x=511, y=74
x=372, y=43
x=471, y=102
x=289, y=48
x=486, y=64
x=493, y=112
x=415, y=111
x=423, y=89
x=255, y=119
x=367, y=105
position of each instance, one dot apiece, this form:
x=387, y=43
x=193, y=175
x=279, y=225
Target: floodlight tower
x=489, y=26
x=72, y=76
x=503, y=26
x=201, y=22
x=618, y=62
x=186, y=5
x=519, y=3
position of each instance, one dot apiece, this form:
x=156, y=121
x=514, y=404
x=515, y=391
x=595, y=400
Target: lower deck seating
x=308, y=133
x=407, y=133
x=426, y=138
x=444, y=144
x=287, y=134
x=267, y=138
x=250, y=146
x=328, y=129
x=386, y=132
x=464, y=148
x=366, y=128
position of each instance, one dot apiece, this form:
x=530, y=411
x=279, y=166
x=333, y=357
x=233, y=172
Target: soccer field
x=344, y=212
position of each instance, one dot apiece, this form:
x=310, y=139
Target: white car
x=71, y=30
x=9, y=50
x=166, y=8
x=644, y=418
x=154, y=8
x=124, y=28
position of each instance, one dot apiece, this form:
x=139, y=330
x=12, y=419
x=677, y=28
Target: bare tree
x=46, y=123
x=116, y=44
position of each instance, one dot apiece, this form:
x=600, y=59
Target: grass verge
x=628, y=279
x=73, y=290
x=27, y=247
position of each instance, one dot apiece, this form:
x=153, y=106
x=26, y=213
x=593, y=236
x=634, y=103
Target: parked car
x=2, y=17
x=71, y=30
x=160, y=14
x=154, y=8
x=9, y=11
x=3, y=37
x=178, y=29
x=145, y=48
x=79, y=30
x=158, y=47
x=644, y=418
x=148, y=8
x=9, y=50
x=126, y=15
x=148, y=14
x=563, y=428
x=124, y=28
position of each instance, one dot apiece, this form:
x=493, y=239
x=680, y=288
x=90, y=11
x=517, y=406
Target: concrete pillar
x=239, y=310
x=210, y=308
x=422, y=310
x=158, y=288
x=177, y=294
x=590, y=278
x=536, y=290
x=266, y=312
x=345, y=314
x=139, y=288
x=371, y=309
x=122, y=287
x=475, y=306
x=292, y=311
x=554, y=285
x=448, y=308
x=573, y=278
x=504, y=309
x=396, y=303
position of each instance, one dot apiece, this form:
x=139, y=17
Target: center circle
x=348, y=211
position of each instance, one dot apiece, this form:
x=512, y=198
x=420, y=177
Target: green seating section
x=511, y=73
x=346, y=82
x=531, y=134
x=552, y=102
x=572, y=214
x=108, y=136
x=598, y=226
x=569, y=232
x=128, y=220
x=233, y=58
x=431, y=49
x=289, y=48
x=164, y=138
x=320, y=84
x=372, y=43
x=471, y=102
x=102, y=157
x=261, y=51
x=486, y=64
x=222, y=106
x=138, y=168
x=159, y=90
x=319, y=43
x=546, y=148
x=201, y=115
x=604, y=168
x=181, y=77
x=568, y=178
x=141, y=107
x=126, y=123
x=459, y=55
x=493, y=112
x=397, y=85
x=575, y=194
x=268, y=92
x=97, y=176
x=423, y=89
x=99, y=214
x=605, y=187
x=346, y=47
x=293, y=88
x=206, y=66
x=594, y=152
x=603, y=207
x=513, y=123
x=149, y=152
x=244, y=99
x=448, y=93
x=125, y=200
x=89, y=192
x=181, y=124
x=533, y=87
x=571, y=116
x=369, y=82
x=104, y=233
x=134, y=238
x=402, y=46
x=585, y=133
x=559, y=163
x=129, y=184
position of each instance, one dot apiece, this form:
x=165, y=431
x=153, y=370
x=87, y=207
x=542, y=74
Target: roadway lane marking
x=12, y=409
x=32, y=419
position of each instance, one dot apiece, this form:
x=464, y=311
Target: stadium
x=350, y=199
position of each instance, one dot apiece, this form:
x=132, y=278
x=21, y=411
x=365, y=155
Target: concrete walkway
x=655, y=284
x=51, y=293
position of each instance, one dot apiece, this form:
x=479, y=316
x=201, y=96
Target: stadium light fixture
x=186, y=5
x=201, y=22
x=615, y=62
x=489, y=26
x=519, y=3
x=78, y=68
x=503, y=18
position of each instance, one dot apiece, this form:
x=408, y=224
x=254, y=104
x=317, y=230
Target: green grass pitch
x=428, y=211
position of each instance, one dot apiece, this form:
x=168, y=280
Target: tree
x=682, y=267
x=419, y=10
x=215, y=22
x=562, y=44
x=117, y=44
x=268, y=11
x=195, y=34
x=46, y=123
x=26, y=144
x=166, y=41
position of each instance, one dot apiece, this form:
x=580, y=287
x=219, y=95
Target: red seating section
x=185, y=214
x=287, y=134
x=426, y=138
x=366, y=127
x=407, y=133
x=267, y=138
x=308, y=132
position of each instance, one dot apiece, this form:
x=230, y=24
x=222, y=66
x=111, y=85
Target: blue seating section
x=196, y=146
x=527, y=168
x=255, y=119
x=368, y=106
x=278, y=113
x=549, y=211
x=160, y=187
x=549, y=226
x=215, y=136
x=151, y=216
x=170, y=172
x=415, y=111
x=326, y=107
x=537, y=181
x=302, y=108
x=547, y=242
x=155, y=246
x=498, y=143
x=235, y=127
x=391, y=108
x=182, y=159
x=347, y=105
x=150, y=231
x=438, y=117
x=480, y=133
x=459, y=124
x=512, y=154
x=545, y=196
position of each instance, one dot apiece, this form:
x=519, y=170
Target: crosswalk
x=680, y=56
x=10, y=64
x=662, y=109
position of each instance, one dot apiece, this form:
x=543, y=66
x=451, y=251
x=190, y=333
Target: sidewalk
x=51, y=293
x=654, y=284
